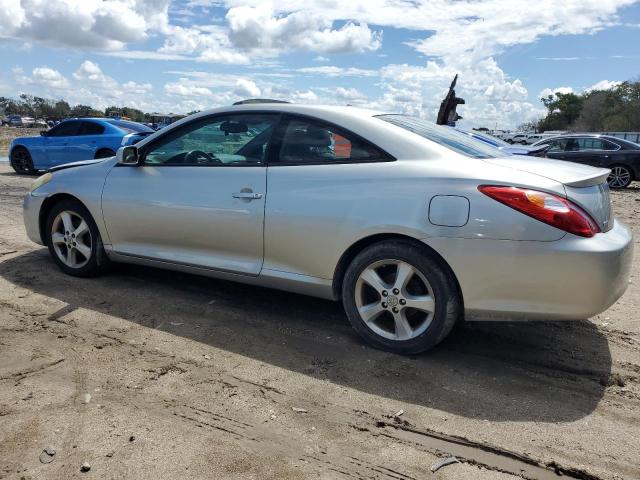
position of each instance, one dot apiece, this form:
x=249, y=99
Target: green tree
x=564, y=109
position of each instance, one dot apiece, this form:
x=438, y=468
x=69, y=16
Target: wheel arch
x=47, y=205
x=351, y=252
x=635, y=175
x=104, y=149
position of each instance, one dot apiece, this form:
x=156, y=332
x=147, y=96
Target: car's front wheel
x=620, y=177
x=74, y=240
x=400, y=298
x=21, y=161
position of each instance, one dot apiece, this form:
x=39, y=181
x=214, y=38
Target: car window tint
x=91, y=128
x=64, y=129
x=445, y=136
x=229, y=140
x=312, y=142
x=572, y=145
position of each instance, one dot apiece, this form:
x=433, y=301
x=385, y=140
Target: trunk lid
x=584, y=185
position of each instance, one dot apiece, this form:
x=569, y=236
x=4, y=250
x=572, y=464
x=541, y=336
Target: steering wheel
x=198, y=156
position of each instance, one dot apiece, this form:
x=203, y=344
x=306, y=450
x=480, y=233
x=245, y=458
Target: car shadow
x=539, y=372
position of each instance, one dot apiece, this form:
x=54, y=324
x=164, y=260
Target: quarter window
x=313, y=142
x=231, y=140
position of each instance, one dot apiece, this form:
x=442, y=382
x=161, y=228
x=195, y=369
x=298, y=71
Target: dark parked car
x=621, y=156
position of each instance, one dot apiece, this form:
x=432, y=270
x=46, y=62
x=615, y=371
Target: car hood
x=567, y=173
x=76, y=164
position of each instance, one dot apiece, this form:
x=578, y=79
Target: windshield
x=131, y=127
x=445, y=136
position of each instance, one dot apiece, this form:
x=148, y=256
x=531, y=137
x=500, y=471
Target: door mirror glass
x=43, y=133
x=127, y=155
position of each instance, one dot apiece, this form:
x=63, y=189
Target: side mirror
x=44, y=133
x=127, y=155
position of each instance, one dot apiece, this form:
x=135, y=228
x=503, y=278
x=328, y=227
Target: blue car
x=74, y=140
x=504, y=146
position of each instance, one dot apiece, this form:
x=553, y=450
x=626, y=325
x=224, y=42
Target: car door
x=198, y=196
x=88, y=139
x=557, y=148
x=585, y=150
x=60, y=144
x=323, y=187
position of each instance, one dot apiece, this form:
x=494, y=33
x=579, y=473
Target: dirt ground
x=9, y=133
x=146, y=374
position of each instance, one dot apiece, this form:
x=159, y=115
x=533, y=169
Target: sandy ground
x=9, y=133
x=148, y=374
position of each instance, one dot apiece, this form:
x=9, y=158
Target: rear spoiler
x=591, y=180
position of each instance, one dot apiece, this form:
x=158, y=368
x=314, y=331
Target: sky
x=396, y=56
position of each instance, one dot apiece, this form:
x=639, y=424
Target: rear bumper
x=31, y=215
x=569, y=279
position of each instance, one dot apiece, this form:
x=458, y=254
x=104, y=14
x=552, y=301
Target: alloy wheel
x=21, y=161
x=71, y=239
x=620, y=177
x=394, y=299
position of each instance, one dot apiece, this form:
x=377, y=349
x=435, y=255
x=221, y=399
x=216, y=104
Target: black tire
x=444, y=290
x=104, y=153
x=22, y=162
x=621, y=177
x=97, y=262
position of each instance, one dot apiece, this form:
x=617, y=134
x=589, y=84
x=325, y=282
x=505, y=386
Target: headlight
x=40, y=181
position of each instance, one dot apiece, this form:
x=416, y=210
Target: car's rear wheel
x=21, y=161
x=620, y=177
x=74, y=240
x=105, y=153
x=399, y=298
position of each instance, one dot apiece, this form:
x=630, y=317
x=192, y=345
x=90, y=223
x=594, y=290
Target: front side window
x=556, y=145
x=230, y=140
x=64, y=129
x=312, y=142
x=445, y=136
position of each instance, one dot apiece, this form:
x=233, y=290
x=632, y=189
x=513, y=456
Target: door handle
x=247, y=195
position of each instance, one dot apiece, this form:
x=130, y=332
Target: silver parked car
x=412, y=225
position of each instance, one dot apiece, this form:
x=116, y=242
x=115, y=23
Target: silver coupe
x=413, y=226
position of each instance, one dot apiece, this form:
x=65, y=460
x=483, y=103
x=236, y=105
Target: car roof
x=393, y=139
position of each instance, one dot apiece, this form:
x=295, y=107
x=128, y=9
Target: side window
x=64, y=129
x=90, y=128
x=312, y=142
x=232, y=140
x=573, y=145
x=557, y=145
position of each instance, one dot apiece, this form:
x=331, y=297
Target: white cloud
x=90, y=74
x=552, y=91
x=185, y=90
x=603, y=85
x=258, y=28
x=49, y=77
x=246, y=88
x=332, y=71
x=83, y=24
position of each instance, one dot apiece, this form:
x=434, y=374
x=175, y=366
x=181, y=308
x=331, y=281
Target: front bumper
x=568, y=279
x=31, y=215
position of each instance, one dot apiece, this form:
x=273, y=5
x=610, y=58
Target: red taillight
x=546, y=207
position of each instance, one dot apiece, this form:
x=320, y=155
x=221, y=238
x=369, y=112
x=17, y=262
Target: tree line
x=614, y=110
x=45, y=108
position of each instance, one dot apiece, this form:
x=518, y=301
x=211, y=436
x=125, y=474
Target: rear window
x=130, y=127
x=445, y=136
